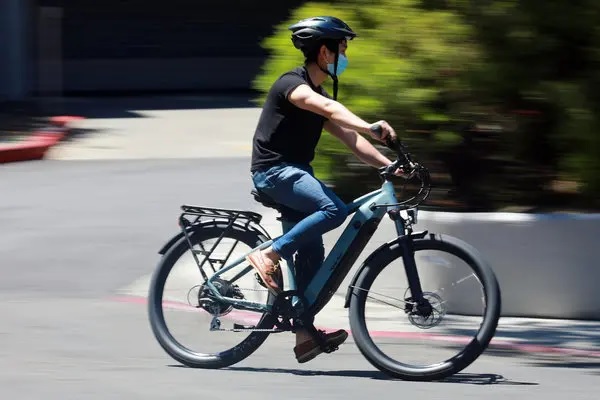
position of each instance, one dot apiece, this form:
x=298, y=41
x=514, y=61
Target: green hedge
x=449, y=78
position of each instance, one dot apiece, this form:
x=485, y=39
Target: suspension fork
x=410, y=266
x=404, y=230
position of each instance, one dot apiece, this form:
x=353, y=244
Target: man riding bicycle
x=296, y=110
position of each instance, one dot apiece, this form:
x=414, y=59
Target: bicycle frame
x=368, y=211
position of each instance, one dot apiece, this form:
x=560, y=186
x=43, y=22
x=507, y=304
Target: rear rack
x=193, y=215
x=218, y=213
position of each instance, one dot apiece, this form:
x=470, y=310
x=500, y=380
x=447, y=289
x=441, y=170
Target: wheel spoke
x=383, y=295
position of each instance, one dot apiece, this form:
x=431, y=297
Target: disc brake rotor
x=427, y=314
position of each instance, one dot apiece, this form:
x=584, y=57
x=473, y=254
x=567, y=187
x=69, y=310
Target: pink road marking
x=248, y=317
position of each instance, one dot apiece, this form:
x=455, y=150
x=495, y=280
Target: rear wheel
x=181, y=313
x=434, y=340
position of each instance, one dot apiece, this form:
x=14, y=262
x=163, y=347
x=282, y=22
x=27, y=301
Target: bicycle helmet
x=310, y=33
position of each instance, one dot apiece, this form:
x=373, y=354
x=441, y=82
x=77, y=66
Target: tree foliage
x=498, y=98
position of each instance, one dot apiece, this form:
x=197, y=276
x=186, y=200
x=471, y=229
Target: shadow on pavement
x=30, y=114
x=472, y=379
x=586, y=365
x=17, y=120
x=484, y=379
x=545, y=333
x=566, y=339
x=77, y=133
x=541, y=359
x=132, y=106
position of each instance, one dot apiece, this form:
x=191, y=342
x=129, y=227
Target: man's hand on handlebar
x=403, y=166
x=381, y=131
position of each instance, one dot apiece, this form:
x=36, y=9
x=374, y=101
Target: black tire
x=368, y=273
x=225, y=358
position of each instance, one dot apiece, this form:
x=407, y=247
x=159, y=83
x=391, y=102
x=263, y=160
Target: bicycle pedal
x=243, y=327
x=261, y=283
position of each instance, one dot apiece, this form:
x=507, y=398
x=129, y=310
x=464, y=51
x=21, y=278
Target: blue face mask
x=342, y=64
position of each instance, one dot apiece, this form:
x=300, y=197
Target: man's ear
x=324, y=53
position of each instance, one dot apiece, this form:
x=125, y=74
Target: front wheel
x=434, y=340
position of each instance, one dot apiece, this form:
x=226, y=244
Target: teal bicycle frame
x=368, y=211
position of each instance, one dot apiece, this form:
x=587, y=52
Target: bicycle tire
x=177, y=351
x=376, y=264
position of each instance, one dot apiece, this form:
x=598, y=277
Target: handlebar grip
x=377, y=129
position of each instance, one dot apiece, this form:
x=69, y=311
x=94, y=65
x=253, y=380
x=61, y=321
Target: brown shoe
x=308, y=350
x=268, y=272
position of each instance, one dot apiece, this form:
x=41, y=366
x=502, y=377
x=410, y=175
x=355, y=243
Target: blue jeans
x=314, y=210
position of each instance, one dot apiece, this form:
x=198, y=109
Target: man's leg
x=308, y=260
x=299, y=190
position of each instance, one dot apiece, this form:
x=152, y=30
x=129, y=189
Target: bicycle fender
x=170, y=243
x=416, y=235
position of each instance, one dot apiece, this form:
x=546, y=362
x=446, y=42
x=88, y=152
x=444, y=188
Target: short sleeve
x=287, y=83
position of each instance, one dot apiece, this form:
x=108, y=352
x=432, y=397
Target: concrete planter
x=547, y=265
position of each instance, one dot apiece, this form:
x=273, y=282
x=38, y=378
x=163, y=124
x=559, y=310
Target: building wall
x=114, y=45
x=54, y=47
x=15, y=57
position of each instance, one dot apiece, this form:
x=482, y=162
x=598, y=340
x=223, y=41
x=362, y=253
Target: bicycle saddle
x=264, y=199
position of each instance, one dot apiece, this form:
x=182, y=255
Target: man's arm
x=360, y=146
x=306, y=98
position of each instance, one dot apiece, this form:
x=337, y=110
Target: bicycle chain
x=247, y=330
x=255, y=290
x=215, y=325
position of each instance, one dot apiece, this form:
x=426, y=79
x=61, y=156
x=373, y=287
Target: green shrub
x=448, y=77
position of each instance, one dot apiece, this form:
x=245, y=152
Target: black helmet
x=330, y=31
x=316, y=30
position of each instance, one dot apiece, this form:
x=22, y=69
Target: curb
x=38, y=143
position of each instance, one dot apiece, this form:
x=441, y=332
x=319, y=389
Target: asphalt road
x=73, y=233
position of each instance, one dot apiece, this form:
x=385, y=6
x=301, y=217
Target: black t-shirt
x=286, y=133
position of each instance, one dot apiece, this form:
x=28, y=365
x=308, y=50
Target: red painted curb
x=33, y=148
x=37, y=144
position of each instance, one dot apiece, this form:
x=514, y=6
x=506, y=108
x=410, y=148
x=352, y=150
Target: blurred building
x=55, y=47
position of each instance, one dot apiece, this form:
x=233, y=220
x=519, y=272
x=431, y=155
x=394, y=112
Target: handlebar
x=404, y=162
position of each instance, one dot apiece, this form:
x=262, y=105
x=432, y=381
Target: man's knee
x=336, y=214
